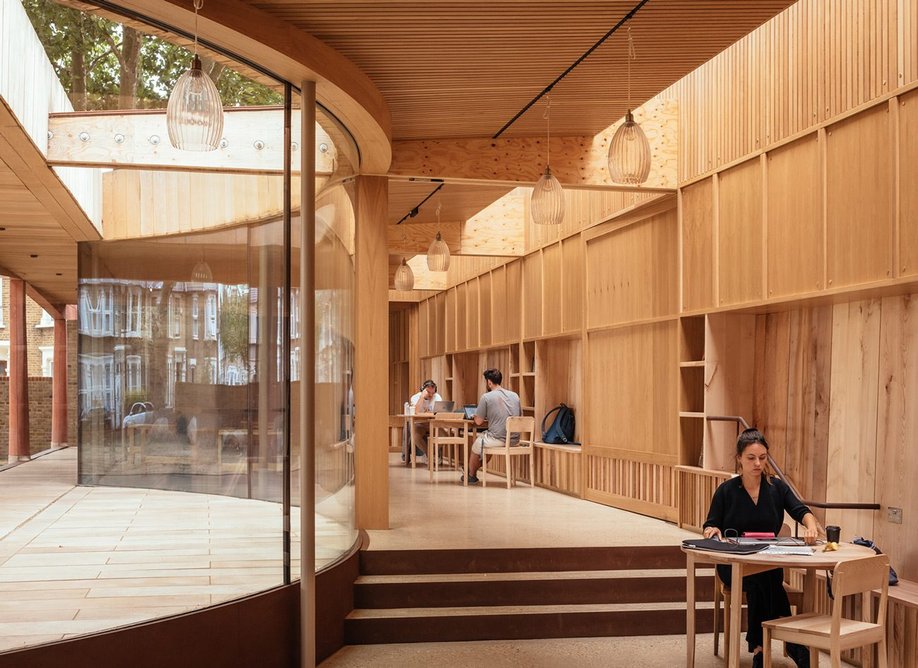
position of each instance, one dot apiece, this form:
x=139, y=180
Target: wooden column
x=59, y=386
x=19, y=374
x=371, y=375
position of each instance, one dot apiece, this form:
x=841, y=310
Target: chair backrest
x=859, y=576
x=521, y=424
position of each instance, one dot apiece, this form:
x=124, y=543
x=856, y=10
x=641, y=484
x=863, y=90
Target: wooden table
x=749, y=564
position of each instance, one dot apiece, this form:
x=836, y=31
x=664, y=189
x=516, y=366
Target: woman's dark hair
x=428, y=383
x=747, y=438
x=494, y=375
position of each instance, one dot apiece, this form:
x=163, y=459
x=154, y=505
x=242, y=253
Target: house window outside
x=96, y=387
x=176, y=314
x=46, y=320
x=133, y=373
x=195, y=319
x=96, y=310
x=210, y=326
x=47, y=360
x=133, y=325
x=212, y=369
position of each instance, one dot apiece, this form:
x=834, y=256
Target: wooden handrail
x=813, y=504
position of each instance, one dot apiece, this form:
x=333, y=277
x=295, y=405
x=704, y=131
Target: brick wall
x=40, y=389
x=35, y=336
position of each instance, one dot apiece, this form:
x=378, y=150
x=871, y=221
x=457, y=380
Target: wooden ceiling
x=458, y=201
x=463, y=69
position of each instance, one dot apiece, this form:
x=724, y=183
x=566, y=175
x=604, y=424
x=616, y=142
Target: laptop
x=469, y=411
x=443, y=406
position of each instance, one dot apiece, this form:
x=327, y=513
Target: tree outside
x=106, y=65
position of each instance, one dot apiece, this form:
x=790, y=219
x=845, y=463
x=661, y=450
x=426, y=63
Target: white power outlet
x=894, y=515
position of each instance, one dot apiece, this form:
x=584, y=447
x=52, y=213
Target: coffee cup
x=833, y=534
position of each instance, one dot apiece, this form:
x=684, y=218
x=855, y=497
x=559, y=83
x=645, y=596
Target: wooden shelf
x=688, y=365
x=529, y=374
x=691, y=415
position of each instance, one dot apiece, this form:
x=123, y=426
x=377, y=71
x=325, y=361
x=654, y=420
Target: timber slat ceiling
x=463, y=69
x=459, y=201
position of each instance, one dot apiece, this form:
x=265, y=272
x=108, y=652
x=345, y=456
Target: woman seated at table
x=423, y=402
x=755, y=502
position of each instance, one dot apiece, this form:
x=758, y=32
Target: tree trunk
x=78, y=68
x=130, y=59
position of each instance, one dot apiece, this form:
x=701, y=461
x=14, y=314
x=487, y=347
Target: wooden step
x=582, y=587
x=507, y=560
x=518, y=622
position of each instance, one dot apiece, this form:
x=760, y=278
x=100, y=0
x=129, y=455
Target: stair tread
x=388, y=613
x=523, y=576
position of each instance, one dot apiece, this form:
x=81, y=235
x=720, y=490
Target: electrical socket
x=894, y=515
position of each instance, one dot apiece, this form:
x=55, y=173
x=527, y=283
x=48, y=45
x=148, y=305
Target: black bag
x=866, y=542
x=562, y=428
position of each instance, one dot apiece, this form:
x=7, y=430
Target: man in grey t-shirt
x=495, y=406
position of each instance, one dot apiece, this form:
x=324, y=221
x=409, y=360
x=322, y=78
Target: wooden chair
x=515, y=425
x=834, y=633
x=447, y=431
x=722, y=597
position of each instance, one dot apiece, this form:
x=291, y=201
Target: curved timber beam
x=295, y=55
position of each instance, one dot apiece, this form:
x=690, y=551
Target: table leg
x=689, y=609
x=411, y=444
x=736, y=612
x=809, y=605
x=465, y=455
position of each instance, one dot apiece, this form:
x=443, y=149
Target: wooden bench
x=557, y=467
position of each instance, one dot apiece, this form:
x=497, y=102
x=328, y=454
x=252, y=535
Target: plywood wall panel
x=808, y=65
x=638, y=412
x=426, y=338
x=473, y=315
x=698, y=246
x=633, y=273
x=449, y=320
x=897, y=466
x=440, y=328
x=795, y=255
x=739, y=234
x=532, y=295
x=484, y=309
x=514, y=310
x=499, y=324
x=908, y=178
x=462, y=316
x=572, y=280
x=851, y=474
x=551, y=290
x=859, y=200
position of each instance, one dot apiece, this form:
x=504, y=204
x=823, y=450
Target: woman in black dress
x=755, y=502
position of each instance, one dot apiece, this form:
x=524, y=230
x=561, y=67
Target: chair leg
x=727, y=635
x=531, y=466
x=766, y=647
x=717, y=617
x=484, y=468
x=509, y=469
x=881, y=652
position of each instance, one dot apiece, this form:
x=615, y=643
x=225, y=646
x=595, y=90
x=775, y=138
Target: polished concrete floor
x=75, y=560
x=444, y=514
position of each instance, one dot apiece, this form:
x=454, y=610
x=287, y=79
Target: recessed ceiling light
x=58, y=274
x=33, y=255
x=2, y=229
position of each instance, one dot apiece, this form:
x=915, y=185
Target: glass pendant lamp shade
x=438, y=255
x=194, y=114
x=629, y=153
x=547, y=202
x=201, y=273
x=404, y=277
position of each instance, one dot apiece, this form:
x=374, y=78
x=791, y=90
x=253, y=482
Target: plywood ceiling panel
x=463, y=69
x=459, y=201
x=28, y=229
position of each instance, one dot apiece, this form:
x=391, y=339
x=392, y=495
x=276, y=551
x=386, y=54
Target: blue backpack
x=562, y=428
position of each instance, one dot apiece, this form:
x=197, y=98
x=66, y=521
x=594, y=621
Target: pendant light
x=438, y=253
x=629, y=152
x=194, y=114
x=547, y=202
x=404, y=277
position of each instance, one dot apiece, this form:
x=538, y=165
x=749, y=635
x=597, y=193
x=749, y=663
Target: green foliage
x=95, y=58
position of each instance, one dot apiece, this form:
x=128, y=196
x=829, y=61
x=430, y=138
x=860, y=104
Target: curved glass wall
x=190, y=337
